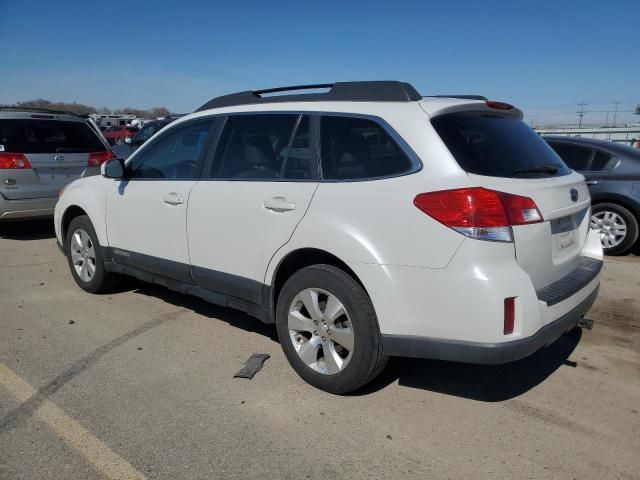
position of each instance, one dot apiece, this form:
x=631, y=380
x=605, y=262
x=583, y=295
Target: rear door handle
x=279, y=204
x=173, y=199
x=592, y=182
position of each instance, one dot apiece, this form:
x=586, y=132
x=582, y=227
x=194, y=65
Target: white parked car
x=365, y=222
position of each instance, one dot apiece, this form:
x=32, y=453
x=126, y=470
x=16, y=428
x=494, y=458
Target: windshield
x=497, y=146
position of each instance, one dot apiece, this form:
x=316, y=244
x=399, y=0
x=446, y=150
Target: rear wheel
x=328, y=329
x=85, y=258
x=617, y=227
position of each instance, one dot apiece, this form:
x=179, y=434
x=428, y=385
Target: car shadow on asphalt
x=235, y=318
x=478, y=382
x=487, y=383
x=28, y=230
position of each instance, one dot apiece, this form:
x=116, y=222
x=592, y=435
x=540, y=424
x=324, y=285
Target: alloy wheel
x=321, y=331
x=83, y=255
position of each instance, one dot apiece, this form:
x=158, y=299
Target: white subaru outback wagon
x=365, y=221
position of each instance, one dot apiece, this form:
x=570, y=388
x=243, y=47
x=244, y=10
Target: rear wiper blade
x=548, y=169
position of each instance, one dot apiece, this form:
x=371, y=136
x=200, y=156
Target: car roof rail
x=462, y=97
x=8, y=108
x=369, y=91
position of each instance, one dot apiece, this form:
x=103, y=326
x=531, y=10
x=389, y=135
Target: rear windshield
x=497, y=146
x=47, y=136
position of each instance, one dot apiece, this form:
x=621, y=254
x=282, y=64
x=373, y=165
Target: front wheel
x=617, y=227
x=85, y=258
x=328, y=329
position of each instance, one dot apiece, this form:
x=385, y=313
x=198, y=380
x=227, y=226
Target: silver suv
x=40, y=152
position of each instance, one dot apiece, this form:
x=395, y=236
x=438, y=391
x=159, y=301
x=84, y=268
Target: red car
x=119, y=134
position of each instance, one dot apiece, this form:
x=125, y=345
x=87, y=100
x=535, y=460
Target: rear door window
x=602, y=161
x=575, y=156
x=497, y=146
x=48, y=136
x=265, y=147
x=358, y=148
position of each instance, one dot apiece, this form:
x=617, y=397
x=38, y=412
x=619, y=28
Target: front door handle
x=279, y=204
x=173, y=199
x=592, y=182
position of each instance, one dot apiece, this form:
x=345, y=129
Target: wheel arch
x=621, y=200
x=306, y=257
x=71, y=212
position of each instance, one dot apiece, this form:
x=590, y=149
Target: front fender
x=88, y=194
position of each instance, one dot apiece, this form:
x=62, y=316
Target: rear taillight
x=479, y=213
x=13, y=161
x=98, y=158
x=509, y=315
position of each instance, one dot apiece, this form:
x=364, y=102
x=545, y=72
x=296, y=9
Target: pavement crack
x=28, y=407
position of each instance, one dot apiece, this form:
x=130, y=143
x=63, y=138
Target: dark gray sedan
x=612, y=171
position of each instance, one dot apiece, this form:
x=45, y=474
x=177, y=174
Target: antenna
x=581, y=113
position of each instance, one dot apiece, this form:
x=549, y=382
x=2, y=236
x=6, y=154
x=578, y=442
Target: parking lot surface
x=139, y=384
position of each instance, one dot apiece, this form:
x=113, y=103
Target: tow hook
x=585, y=323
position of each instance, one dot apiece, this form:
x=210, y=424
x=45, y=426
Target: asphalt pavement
x=140, y=384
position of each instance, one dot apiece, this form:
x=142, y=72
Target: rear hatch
x=500, y=152
x=56, y=150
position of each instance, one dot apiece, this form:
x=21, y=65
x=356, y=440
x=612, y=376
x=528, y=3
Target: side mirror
x=113, y=169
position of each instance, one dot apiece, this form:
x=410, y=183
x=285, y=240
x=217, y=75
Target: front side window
x=264, y=147
x=174, y=155
x=573, y=155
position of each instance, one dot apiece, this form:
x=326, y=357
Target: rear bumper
x=29, y=208
x=486, y=353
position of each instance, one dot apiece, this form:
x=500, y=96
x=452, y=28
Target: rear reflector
x=479, y=213
x=13, y=161
x=98, y=158
x=499, y=105
x=509, y=315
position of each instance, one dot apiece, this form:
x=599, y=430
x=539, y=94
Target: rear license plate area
x=53, y=175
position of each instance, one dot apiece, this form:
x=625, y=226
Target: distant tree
x=85, y=109
x=156, y=112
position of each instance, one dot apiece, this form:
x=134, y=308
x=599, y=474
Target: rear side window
x=497, y=146
x=47, y=136
x=602, y=161
x=264, y=147
x=575, y=156
x=358, y=148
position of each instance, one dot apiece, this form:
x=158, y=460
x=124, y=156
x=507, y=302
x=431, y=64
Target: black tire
x=632, y=227
x=367, y=359
x=101, y=281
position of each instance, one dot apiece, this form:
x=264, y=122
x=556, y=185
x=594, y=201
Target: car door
x=578, y=158
x=146, y=214
x=254, y=191
x=599, y=170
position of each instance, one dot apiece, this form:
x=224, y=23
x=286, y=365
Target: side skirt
x=260, y=312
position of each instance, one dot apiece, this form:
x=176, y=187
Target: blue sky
x=543, y=56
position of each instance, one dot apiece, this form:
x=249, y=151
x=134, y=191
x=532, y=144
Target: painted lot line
x=97, y=453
